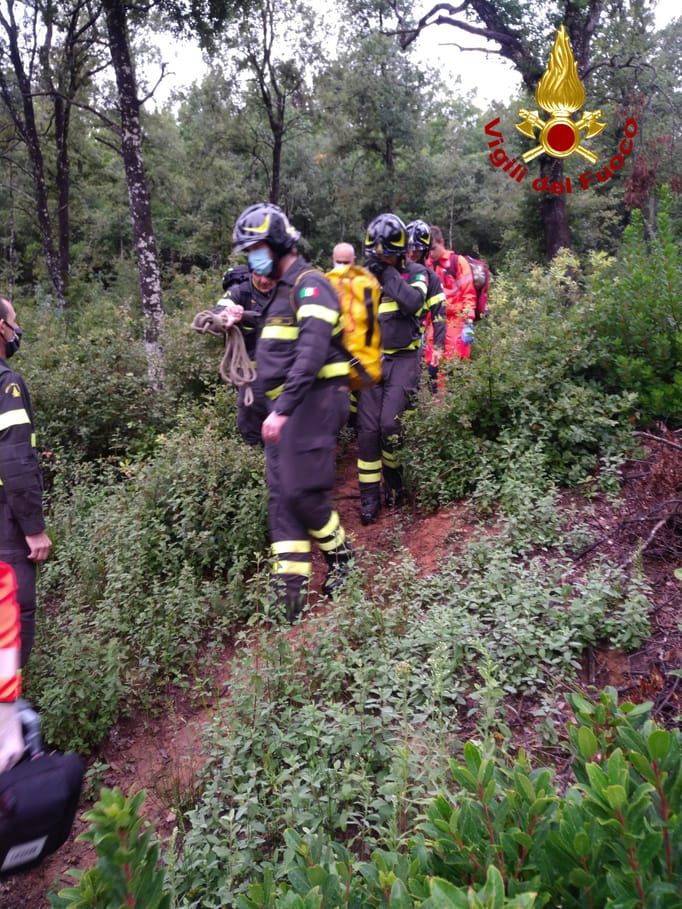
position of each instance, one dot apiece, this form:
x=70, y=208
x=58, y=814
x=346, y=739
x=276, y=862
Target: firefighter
x=11, y=737
x=404, y=287
x=460, y=300
x=251, y=292
x=23, y=541
x=418, y=248
x=304, y=370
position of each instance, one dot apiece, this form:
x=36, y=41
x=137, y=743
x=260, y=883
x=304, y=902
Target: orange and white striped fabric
x=10, y=645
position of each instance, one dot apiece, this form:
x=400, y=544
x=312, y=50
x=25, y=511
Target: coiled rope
x=235, y=366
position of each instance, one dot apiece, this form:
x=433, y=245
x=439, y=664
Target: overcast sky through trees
x=491, y=77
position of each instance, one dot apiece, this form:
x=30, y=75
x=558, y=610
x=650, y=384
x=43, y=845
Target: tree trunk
x=138, y=190
x=25, y=123
x=62, y=120
x=275, y=183
x=553, y=208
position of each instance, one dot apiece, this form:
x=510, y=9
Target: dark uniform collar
x=297, y=266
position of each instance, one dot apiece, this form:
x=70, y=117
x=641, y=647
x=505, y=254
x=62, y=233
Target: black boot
x=393, y=488
x=339, y=562
x=293, y=604
x=370, y=502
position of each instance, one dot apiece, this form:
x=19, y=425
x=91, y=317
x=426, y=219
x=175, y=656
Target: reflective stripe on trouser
x=300, y=471
x=380, y=410
x=332, y=536
x=292, y=564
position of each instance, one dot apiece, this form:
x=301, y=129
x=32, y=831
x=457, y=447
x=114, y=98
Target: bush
x=144, y=569
x=526, y=394
x=634, y=312
x=87, y=375
x=611, y=840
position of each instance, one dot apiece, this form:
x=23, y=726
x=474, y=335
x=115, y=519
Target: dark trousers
x=250, y=416
x=380, y=411
x=14, y=551
x=300, y=471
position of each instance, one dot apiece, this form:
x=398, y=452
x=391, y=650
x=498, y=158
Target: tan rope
x=235, y=366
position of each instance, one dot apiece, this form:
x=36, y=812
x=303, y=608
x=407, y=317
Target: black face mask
x=12, y=346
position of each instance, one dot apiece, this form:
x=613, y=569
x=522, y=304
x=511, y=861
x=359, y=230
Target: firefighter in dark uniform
x=23, y=541
x=304, y=369
x=251, y=292
x=402, y=308
x=419, y=244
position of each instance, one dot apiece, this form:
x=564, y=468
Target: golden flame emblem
x=560, y=93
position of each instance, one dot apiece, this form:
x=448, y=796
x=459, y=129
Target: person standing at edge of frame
x=23, y=540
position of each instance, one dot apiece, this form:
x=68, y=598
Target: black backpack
x=236, y=275
x=38, y=801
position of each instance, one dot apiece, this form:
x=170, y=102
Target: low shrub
x=144, y=568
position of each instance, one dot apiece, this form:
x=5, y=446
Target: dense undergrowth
x=502, y=832
x=158, y=515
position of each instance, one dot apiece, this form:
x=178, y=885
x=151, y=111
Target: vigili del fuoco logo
x=560, y=93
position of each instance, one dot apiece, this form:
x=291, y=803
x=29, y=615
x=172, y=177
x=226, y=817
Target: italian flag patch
x=309, y=292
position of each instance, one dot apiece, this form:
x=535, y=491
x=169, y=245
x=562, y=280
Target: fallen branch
x=648, y=435
x=647, y=542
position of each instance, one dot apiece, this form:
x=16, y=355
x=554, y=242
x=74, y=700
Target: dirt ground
x=161, y=754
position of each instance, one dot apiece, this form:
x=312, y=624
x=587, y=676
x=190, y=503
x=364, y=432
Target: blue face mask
x=259, y=261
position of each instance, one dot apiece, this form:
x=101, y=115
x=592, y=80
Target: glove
x=11, y=736
x=468, y=333
x=376, y=267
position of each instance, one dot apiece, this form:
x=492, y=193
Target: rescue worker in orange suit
x=460, y=302
x=11, y=737
x=251, y=292
x=23, y=541
x=304, y=371
x=402, y=308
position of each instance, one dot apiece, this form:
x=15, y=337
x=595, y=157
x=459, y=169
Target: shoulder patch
x=13, y=389
x=309, y=292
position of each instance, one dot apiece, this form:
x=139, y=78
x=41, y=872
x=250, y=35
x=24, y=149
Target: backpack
x=38, y=799
x=359, y=293
x=481, y=275
x=237, y=275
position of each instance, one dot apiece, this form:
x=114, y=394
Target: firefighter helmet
x=418, y=236
x=266, y=222
x=386, y=236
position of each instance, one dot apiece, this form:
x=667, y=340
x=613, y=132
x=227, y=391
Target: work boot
x=393, y=487
x=339, y=562
x=370, y=502
x=293, y=604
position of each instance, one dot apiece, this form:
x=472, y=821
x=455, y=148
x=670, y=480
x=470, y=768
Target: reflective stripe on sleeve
x=17, y=417
x=315, y=311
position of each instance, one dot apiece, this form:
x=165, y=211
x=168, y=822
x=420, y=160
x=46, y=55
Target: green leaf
x=581, y=843
x=616, y=796
x=400, y=898
x=588, y=744
x=444, y=895
x=659, y=744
